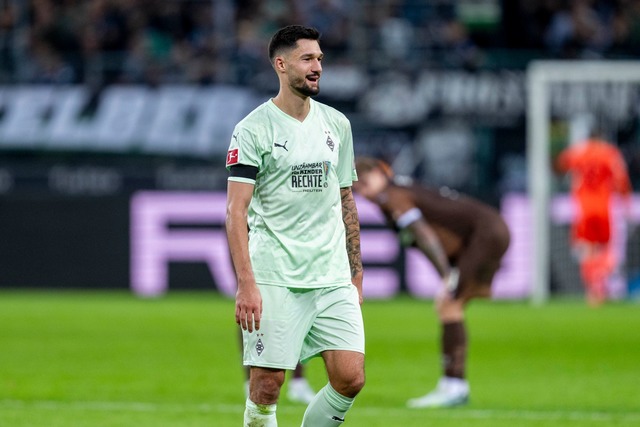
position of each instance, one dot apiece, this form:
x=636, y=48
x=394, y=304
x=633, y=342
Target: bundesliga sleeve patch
x=232, y=157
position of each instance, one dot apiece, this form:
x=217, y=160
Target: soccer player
x=294, y=237
x=463, y=238
x=598, y=172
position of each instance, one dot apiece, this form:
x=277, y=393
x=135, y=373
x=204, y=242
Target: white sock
x=327, y=409
x=256, y=415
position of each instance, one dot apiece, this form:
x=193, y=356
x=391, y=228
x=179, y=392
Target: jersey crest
x=330, y=142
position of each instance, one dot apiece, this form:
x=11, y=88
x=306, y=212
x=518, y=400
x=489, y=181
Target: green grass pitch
x=98, y=359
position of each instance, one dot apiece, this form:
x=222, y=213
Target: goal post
x=541, y=76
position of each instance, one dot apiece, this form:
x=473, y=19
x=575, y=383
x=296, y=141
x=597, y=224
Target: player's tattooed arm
x=352, y=229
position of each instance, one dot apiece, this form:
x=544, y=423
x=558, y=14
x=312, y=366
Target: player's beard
x=301, y=86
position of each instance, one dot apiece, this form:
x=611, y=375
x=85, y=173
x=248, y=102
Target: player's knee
x=357, y=384
x=350, y=386
x=265, y=389
x=266, y=392
x=449, y=309
x=443, y=303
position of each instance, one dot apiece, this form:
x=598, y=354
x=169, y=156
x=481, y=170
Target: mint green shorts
x=298, y=324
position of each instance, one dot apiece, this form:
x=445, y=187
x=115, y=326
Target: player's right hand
x=248, y=308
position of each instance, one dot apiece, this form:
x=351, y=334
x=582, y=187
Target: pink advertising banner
x=189, y=227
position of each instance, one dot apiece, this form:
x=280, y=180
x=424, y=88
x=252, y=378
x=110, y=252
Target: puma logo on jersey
x=283, y=145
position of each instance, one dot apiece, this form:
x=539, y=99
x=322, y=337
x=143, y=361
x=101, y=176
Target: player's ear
x=279, y=64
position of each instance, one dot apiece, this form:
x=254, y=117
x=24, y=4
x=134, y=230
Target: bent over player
x=294, y=237
x=463, y=238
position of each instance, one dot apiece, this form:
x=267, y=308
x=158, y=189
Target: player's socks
x=327, y=409
x=452, y=389
x=454, y=349
x=256, y=415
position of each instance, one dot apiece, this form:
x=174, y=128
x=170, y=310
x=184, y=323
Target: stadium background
x=105, y=104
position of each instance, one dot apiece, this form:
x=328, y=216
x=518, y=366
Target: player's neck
x=294, y=105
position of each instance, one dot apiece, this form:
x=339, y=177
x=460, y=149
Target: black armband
x=244, y=171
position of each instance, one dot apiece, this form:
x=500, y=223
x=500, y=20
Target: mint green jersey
x=296, y=232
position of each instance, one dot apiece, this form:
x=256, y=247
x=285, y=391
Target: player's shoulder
x=254, y=124
x=601, y=152
x=257, y=116
x=610, y=148
x=330, y=112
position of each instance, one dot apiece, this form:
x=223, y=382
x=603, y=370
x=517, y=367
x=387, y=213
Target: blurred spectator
x=54, y=41
x=524, y=21
x=107, y=35
x=578, y=31
x=573, y=28
x=331, y=18
x=201, y=41
x=249, y=52
x=48, y=65
x=395, y=37
x=256, y=21
x=457, y=48
x=201, y=47
x=625, y=27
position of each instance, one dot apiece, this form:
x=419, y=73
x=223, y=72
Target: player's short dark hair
x=287, y=38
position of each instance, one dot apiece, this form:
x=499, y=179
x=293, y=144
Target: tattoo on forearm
x=352, y=228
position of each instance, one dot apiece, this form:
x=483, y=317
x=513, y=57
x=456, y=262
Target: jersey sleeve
x=244, y=149
x=346, y=163
x=622, y=182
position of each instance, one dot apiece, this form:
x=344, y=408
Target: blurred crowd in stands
x=224, y=41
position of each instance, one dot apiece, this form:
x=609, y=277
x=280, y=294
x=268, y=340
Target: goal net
x=566, y=100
